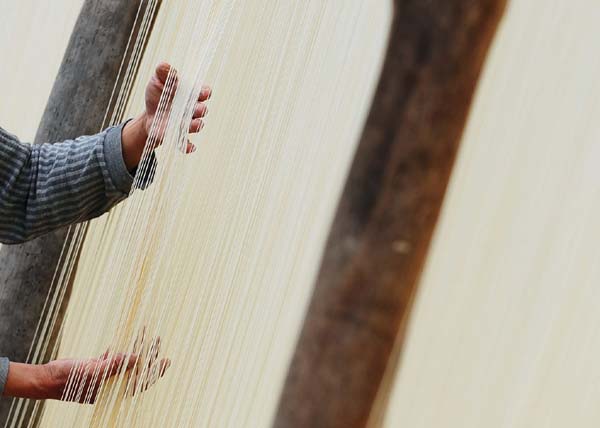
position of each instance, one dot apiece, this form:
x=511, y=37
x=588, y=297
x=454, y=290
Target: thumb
x=162, y=72
x=190, y=147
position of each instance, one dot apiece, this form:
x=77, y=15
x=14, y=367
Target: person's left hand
x=90, y=372
x=160, y=83
x=136, y=132
x=48, y=381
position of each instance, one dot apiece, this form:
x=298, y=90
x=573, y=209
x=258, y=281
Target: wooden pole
x=388, y=211
x=77, y=106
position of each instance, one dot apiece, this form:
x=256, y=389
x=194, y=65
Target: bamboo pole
x=388, y=211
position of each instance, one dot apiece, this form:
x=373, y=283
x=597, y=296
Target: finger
x=165, y=363
x=162, y=71
x=132, y=361
x=196, y=125
x=166, y=80
x=154, y=351
x=190, y=147
x=205, y=93
x=105, y=355
x=138, y=344
x=156, y=345
x=144, y=381
x=132, y=368
x=200, y=110
x=170, y=90
x=156, y=372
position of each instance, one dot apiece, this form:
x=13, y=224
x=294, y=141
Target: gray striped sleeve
x=4, y=364
x=46, y=186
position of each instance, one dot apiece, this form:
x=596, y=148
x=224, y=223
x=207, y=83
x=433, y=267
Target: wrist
x=133, y=141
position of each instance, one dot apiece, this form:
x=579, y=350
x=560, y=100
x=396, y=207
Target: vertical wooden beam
x=388, y=211
x=77, y=106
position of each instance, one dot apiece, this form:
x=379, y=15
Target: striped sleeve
x=4, y=365
x=46, y=186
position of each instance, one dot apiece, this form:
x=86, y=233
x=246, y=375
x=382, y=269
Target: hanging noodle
x=218, y=254
x=505, y=328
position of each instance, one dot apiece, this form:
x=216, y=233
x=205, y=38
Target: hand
x=90, y=372
x=136, y=131
x=154, y=91
x=48, y=381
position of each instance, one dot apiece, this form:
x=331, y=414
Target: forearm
x=43, y=187
x=29, y=381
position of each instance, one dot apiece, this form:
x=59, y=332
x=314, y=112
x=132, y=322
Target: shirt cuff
x=4, y=365
x=115, y=163
x=113, y=155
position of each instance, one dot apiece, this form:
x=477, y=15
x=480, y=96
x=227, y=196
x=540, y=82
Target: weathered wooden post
x=388, y=211
x=77, y=106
